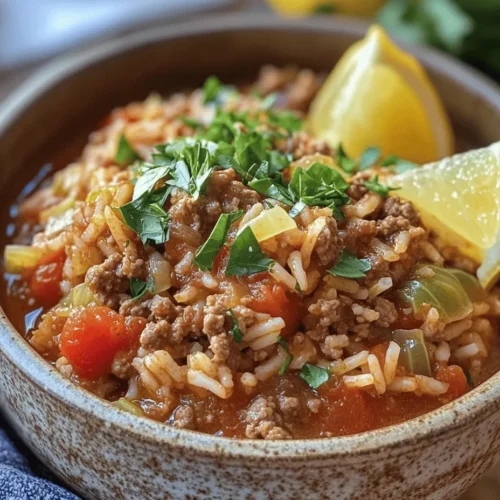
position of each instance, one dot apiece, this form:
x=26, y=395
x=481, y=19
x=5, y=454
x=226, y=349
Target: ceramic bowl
x=102, y=452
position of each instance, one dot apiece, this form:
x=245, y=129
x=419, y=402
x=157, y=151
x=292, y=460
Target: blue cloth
x=22, y=476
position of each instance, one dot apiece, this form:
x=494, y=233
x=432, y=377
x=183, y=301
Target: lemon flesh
x=378, y=95
x=459, y=198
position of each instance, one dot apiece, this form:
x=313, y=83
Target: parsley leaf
x=271, y=189
x=314, y=376
x=125, y=154
x=146, y=217
x=139, y=288
x=235, y=330
x=399, y=164
x=269, y=101
x=148, y=180
x=194, y=165
x=345, y=163
x=380, y=189
x=246, y=257
x=348, y=266
x=208, y=251
x=286, y=364
x=284, y=345
x=211, y=89
x=191, y=122
x=369, y=157
x=319, y=185
x=285, y=119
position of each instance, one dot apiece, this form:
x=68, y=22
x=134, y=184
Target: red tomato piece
x=455, y=376
x=45, y=280
x=274, y=300
x=91, y=338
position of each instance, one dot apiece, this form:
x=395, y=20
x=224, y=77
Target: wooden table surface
x=488, y=488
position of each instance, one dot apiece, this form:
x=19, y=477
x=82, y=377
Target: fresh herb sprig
x=208, y=251
x=314, y=376
x=375, y=186
x=236, y=332
x=348, y=266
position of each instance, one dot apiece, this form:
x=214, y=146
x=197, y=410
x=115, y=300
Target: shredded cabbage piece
x=413, y=356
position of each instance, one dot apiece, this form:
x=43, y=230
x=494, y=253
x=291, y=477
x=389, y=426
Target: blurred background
x=35, y=31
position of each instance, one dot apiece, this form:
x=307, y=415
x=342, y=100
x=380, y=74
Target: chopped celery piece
x=442, y=291
x=126, y=405
x=20, y=258
x=271, y=223
x=414, y=356
x=470, y=284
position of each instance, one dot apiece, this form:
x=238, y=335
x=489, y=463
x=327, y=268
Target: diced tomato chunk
x=455, y=376
x=349, y=410
x=91, y=338
x=274, y=300
x=45, y=280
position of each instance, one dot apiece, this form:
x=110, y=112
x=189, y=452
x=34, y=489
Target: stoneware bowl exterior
x=102, y=452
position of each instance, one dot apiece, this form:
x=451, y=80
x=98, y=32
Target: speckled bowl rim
x=452, y=416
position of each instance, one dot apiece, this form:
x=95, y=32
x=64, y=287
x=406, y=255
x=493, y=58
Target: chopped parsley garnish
x=314, y=376
x=146, y=217
x=125, y=154
x=319, y=185
x=211, y=89
x=285, y=119
x=282, y=342
x=348, y=266
x=399, y=164
x=139, y=288
x=369, y=157
x=285, y=365
x=284, y=345
x=269, y=101
x=235, y=330
x=208, y=251
x=375, y=186
x=191, y=122
x=346, y=163
x=246, y=257
x=148, y=180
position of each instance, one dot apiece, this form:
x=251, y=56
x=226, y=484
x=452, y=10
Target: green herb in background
x=466, y=28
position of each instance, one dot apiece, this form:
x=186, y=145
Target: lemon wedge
x=306, y=7
x=459, y=198
x=378, y=95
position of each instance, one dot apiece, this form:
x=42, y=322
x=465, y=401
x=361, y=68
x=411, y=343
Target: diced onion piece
x=56, y=210
x=271, y=223
x=81, y=296
x=19, y=258
x=413, y=356
x=161, y=271
x=442, y=291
